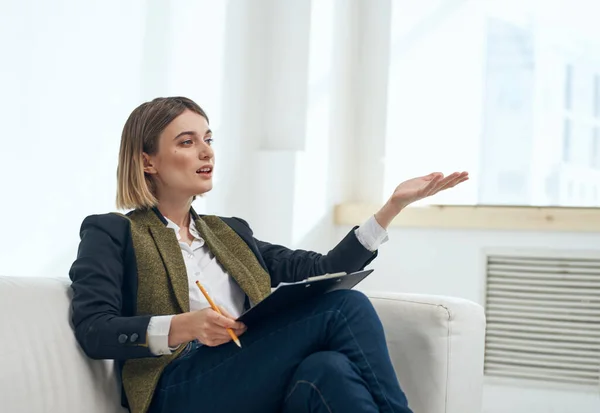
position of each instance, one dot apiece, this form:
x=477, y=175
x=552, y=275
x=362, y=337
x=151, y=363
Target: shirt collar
x=176, y=228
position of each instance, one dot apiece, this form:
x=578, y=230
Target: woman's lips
x=205, y=171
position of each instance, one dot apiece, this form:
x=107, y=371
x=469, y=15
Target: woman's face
x=183, y=164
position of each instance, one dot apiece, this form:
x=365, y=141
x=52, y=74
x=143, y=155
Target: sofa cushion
x=43, y=367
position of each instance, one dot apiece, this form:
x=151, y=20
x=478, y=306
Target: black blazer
x=104, y=281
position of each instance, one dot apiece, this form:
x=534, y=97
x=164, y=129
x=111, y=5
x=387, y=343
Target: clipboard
x=287, y=295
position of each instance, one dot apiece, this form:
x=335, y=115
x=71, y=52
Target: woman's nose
x=206, y=152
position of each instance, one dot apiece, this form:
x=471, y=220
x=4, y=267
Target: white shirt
x=203, y=266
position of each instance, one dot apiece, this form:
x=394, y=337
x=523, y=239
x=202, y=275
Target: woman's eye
x=187, y=142
x=209, y=141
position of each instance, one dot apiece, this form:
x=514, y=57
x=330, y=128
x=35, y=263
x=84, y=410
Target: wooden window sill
x=480, y=217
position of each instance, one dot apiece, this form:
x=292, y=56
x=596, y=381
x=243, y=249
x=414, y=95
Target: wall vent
x=543, y=316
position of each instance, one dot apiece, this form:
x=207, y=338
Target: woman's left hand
x=416, y=189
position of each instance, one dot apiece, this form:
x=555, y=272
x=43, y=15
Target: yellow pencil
x=235, y=338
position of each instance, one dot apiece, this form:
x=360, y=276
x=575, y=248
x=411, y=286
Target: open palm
x=421, y=187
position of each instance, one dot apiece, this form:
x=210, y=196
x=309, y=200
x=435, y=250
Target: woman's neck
x=178, y=212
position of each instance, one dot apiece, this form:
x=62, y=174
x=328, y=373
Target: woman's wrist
x=179, y=332
x=386, y=214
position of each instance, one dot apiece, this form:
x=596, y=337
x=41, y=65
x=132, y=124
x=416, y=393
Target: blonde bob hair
x=135, y=189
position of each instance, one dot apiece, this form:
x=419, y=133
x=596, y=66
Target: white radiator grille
x=543, y=318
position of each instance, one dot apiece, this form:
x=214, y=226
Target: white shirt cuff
x=371, y=235
x=158, y=335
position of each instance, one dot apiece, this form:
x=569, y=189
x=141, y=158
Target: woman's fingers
x=464, y=176
x=238, y=332
x=430, y=189
x=228, y=315
x=240, y=328
x=216, y=336
x=451, y=181
x=225, y=322
x=212, y=327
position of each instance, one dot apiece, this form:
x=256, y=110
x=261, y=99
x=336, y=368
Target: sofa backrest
x=42, y=368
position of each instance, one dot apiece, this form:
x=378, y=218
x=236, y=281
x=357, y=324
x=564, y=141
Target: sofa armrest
x=437, y=345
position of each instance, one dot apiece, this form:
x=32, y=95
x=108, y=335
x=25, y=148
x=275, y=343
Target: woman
x=135, y=299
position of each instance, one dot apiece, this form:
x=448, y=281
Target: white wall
x=70, y=75
x=72, y=72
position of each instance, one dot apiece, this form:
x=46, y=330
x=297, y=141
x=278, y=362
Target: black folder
x=287, y=295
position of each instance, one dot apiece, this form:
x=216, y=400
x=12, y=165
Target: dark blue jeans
x=327, y=355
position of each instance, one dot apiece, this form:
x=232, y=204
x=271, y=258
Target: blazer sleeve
x=287, y=265
x=97, y=304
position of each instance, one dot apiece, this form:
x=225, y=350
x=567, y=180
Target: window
x=508, y=90
x=566, y=155
x=595, y=152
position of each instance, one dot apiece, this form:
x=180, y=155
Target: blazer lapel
x=170, y=252
x=235, y=256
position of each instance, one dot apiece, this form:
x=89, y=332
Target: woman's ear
x=148, y=165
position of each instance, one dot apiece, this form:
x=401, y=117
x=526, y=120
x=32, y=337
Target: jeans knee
x=323, y=364
x=355, y=299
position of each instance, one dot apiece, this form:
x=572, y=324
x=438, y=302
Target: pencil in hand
x=235, y=338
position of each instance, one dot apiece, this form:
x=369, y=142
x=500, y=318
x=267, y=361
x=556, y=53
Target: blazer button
x=122, y=338
x=133, y=337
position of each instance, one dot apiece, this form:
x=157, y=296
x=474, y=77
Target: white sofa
x=436, y=345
